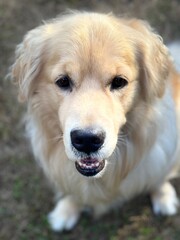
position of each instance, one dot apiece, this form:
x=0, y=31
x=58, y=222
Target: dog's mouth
x=89, y=167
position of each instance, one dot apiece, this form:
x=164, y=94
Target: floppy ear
x=153, y=60
x=28, y=61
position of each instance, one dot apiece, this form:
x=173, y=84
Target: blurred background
x=25, y=198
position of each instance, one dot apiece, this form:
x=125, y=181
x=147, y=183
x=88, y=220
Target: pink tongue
x=89, y=161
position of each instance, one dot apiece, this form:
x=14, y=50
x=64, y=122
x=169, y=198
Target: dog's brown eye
x=118, y=82
x=64, y=82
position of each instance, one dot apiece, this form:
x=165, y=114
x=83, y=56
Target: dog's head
x=83, y=73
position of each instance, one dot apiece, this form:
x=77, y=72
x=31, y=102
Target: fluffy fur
x=140, y=120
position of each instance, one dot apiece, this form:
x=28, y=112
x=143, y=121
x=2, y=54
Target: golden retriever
x=103, y=112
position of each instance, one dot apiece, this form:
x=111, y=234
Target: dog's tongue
x=89, y=166
x=89, y=161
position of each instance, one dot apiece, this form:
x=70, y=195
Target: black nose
x=87, y=141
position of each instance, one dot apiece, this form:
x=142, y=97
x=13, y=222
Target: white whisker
x=56, y=139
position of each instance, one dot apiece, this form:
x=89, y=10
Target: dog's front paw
x=65, y=215
x=165, y=200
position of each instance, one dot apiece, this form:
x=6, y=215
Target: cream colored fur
x=140, y=120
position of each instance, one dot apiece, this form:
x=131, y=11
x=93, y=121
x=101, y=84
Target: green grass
x=18, y=189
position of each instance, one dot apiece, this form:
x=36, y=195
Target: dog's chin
x=90, y=167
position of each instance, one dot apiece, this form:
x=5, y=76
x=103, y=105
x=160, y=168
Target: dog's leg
x=164, y=200
x=65, y=214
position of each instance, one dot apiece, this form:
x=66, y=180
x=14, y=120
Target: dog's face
x=83, y=74
x=96, y=92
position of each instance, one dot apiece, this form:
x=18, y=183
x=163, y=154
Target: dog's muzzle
x=88, y=141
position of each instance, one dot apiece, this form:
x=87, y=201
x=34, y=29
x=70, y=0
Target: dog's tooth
x=84, y=165
x=97, y=164
x=80, y=163
x=90, y=166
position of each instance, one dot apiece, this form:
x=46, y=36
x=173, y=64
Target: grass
x=25, y=198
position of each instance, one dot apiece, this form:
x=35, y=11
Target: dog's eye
x=118, y=82
x=64, y=82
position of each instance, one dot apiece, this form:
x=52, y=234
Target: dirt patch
x=25, y=198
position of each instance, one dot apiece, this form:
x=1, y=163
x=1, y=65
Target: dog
x=103, y=112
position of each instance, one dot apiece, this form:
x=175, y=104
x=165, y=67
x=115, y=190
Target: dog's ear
x=153, y=60
x=28, y=61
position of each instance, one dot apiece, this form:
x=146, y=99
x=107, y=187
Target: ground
x=25, y=196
